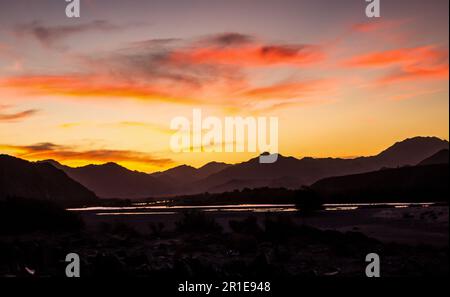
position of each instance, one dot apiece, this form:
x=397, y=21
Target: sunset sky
x=104, y=87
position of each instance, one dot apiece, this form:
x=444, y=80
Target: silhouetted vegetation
x=118, y=228
x=279, y=228
x=197, y=222
x=307, y=200
x=257, y=247
x=247, y=226
x=27, y=215
x=156, y=229
x=263, y=195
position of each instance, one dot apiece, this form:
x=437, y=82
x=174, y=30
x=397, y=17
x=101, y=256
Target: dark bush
x=307, y=200
x=248, y=225
x=156, y=229
x=196, y=221
x=19, y=216
x=123, y=229
x=279, y=229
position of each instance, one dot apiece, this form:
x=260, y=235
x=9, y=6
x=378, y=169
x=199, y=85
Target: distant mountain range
x=290, y=172
x=50, y=180
x=111, y=180
x=40, y=181
x=114, y=181
x=187, y=175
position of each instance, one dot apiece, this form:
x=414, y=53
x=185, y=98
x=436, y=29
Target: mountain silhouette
x=40, y=181
x=440, y=157
x=111, y=180
x=290, y=172
x=410, y=183
x=114, y=181
x=411, y=151
x=182, y=177
x=188, y=174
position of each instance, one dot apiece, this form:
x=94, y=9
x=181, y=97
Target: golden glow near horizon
x=89, y=92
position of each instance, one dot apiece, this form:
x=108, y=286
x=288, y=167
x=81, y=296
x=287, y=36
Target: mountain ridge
x=40, y=181
x=287, y=171
x=411, y=183
x=441, y=157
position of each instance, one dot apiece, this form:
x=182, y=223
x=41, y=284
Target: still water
x=151, y=209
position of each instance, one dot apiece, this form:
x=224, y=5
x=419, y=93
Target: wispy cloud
x=405, y=64
x=15, y=116
x=51, y=36
x=230, y=39
x=48, y=150
x=378, y=25
x=290, y=89
x=158, y=128
x=216, y=70
x=417, y=72
x=207, y=70
x=429, y=54
x=93, y=86
x=251, y=54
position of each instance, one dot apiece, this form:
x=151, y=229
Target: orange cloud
x=209, y=71
x=43, y=151
x=422, y=55
x=290, y=90
x=378, y=25
x=94, y=86
x=99, y=87
x=416, y=72
x=251, y=55
x=425, y=62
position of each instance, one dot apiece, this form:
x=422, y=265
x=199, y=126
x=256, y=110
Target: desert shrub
x=407, y=215
x=124, y=229
x=117, y=228
x=279, y=228
x=307, y=200
x=248, y=225
x=243, y=243
x=196, y=221
x=104, y=227
x=156, y=229
x=19, y=216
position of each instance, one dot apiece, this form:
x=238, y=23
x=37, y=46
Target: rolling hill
x=40, y=181
x=440, y=157
x=415, y=183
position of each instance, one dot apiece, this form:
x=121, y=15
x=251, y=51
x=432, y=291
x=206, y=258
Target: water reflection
x=151, y=209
